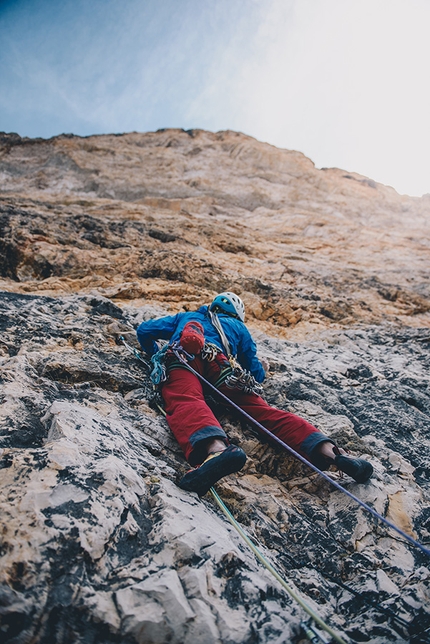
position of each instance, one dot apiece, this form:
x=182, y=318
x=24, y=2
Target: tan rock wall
x=98, y=544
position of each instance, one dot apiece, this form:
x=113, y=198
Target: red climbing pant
x=193, y=422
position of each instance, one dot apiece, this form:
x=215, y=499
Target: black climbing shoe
x=216, y=466
x=359, y=469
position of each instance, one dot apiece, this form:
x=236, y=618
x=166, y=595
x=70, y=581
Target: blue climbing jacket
x=170, y=328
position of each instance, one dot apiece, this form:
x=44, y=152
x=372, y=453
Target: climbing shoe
x=216, y=466
x=359, y=469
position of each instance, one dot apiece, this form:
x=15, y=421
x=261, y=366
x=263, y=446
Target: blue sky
x=344, y=81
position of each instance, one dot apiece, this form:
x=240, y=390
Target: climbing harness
x=179, y=355
x=312, y=614
x=238, y=378
x=211, y=352
x=306, y=462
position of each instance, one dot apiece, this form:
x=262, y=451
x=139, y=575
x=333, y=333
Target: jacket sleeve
x=157, y=329
x=247, y=356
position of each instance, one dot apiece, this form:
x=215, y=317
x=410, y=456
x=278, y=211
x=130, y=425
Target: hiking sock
x=215, y=467
x=359, y=469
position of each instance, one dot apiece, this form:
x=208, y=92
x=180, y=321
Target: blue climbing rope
x=301, y=458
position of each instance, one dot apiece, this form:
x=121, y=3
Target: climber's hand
x=265, y=364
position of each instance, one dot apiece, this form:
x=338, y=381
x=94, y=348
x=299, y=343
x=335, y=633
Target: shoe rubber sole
x=359, y=469
x=202, y=478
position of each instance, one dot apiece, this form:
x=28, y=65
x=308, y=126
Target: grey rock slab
x=99, y=542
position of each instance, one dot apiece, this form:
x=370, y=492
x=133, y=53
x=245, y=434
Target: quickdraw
x=239, y=378
x=301, y=458
x=307, y=628
x=210, y=351
x=243, y=381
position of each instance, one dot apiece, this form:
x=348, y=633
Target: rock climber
x=218, y=346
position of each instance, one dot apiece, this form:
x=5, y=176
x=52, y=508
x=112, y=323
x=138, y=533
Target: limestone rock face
x=98, y=543
x=158, y=214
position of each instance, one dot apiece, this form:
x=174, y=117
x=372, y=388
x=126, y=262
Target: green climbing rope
x=317, y=619
x=272, y=570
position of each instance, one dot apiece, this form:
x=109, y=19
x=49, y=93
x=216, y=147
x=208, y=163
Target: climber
x=218, y=345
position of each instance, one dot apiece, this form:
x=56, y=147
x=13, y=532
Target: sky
x=346, y=82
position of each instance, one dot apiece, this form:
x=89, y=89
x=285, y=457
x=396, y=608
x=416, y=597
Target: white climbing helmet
x=229, y=303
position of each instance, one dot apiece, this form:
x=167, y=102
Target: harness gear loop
x=230, y=517
x=239, y=378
